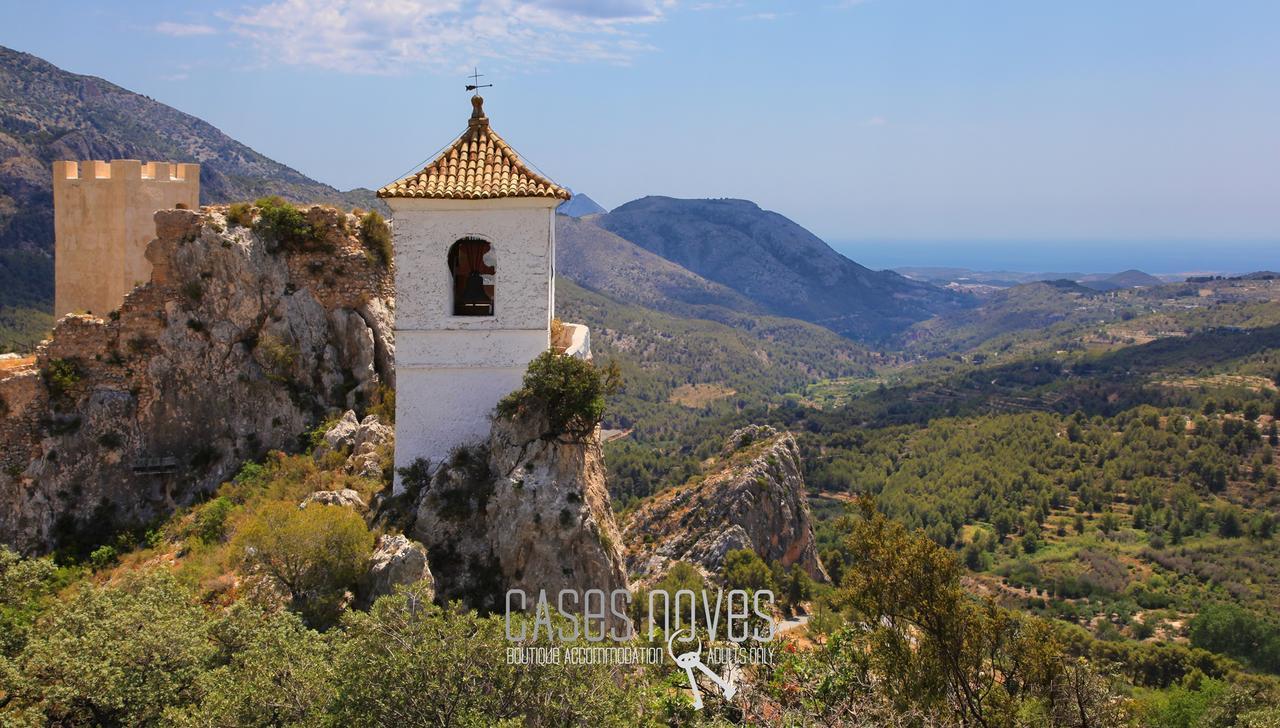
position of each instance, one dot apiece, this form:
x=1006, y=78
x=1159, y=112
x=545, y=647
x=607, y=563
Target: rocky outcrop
x=396, y=561
x=523, y=512
x=360, y=442
x=752, y=498
x=232, y=349
x=346, y=497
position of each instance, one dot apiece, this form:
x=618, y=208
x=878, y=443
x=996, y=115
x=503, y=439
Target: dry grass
x=696, y=396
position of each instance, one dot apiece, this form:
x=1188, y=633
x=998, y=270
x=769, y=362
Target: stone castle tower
x=102, y=221
x=475, y=264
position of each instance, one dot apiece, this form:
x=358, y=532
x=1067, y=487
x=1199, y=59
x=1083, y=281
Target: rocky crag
x=753, y=497
x=234, y=347
x=525, y=511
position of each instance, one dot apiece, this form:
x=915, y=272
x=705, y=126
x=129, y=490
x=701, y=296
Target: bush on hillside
x=111, y=655
x=276, y=672
x=408, y=661
x=743, y=569
x=315, y=554
x=211, y=519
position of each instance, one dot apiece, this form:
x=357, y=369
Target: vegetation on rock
x=375, y=233
x=569, y=391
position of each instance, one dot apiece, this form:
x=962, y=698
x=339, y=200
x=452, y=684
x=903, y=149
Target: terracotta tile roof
x=478, y=166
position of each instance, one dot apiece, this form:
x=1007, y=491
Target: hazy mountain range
x=942, y=275
x=47, y=114
x=778, y=264
x=715, y=259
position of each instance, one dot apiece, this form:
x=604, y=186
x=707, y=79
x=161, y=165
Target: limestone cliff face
x=523, y=512
x=753, y=498
x=229, y=351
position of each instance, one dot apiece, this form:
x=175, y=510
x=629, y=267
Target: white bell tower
x=474, y=236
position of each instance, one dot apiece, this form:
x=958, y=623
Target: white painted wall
x=452, y=370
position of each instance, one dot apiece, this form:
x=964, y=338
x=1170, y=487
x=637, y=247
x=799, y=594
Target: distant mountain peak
x=778, y=264
x=580, y=205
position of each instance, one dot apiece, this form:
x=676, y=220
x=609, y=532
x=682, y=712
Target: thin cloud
x=765, y=17
x=876, y=121
x=397, y=36
x=182, y=30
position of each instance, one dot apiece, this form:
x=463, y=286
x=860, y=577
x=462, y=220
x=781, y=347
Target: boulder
x=396, y=561
x=360, y=440
x=347, y=498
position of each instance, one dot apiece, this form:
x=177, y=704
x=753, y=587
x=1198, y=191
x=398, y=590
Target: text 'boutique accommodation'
x=475, y=264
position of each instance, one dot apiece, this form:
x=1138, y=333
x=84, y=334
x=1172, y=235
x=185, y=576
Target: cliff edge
x=239, y=344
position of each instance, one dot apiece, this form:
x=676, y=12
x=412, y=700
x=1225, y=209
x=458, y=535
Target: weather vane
x=475, y=84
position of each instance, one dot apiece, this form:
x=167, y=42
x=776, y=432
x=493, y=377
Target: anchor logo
x=690, y=661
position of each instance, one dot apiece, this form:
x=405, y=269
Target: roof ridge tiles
x=479, y=164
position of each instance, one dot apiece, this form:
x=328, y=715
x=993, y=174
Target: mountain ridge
x=778, y=264
x=48, y=113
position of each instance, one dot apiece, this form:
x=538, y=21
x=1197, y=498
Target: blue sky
x=964, y=131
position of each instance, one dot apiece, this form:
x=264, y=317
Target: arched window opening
x=471, y=261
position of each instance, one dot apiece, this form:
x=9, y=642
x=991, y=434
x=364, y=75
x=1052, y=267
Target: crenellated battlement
x=103, y=218
x=125, y=169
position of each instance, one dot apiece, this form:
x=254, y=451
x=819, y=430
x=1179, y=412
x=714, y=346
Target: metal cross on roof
x=475, y=84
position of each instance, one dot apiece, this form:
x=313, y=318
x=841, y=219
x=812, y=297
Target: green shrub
x=570, y=391
x=743, y=569
x=111, y=655
x=61, y=375
x=277, y=357
x=314, y=553
x=26, y=585
x=279, y=674
x=410, y=662
x=102, y=557
x=376, y=236
x=211, y=519
x=315, y=438
x=240, y=213
x=282, y=225
x=415, y=477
